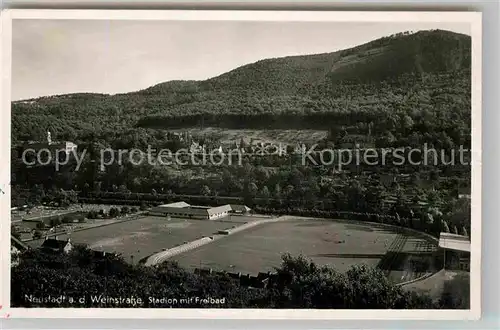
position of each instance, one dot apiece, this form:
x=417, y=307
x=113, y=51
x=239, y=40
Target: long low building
x=184, y=210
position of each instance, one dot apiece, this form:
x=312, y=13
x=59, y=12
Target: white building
x=184, y=210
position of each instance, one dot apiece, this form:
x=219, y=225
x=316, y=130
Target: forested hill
x=423, y=76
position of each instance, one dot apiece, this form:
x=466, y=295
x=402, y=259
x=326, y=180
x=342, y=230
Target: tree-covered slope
x=425, y=75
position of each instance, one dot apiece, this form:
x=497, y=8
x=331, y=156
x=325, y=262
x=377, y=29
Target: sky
x=51, y=57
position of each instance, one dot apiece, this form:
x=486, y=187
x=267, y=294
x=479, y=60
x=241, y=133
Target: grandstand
x=456, y=251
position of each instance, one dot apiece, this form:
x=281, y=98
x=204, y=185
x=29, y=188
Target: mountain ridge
x=369, y=78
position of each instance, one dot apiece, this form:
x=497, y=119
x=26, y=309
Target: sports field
x=337, y=244
x=137, y=239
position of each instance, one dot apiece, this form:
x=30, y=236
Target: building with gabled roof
x=16, y=248
x=56, y=245
x=238, y=208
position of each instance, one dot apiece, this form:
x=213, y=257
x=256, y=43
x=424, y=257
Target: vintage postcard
x=241, y=164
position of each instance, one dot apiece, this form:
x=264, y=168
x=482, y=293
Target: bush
x=91, y=215
x=133, y=210
x=114, y=212
x=125, y=210
x=456, y=293
x=297, y=283
x=67, y=219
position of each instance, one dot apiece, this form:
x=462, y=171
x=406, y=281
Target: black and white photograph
x=286, y=161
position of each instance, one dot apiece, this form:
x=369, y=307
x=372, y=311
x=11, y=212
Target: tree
x=265, y=192
x=434, y=198
x=262, y=174
x=97, y=186
x=398, y=219
x=85, y=189
x=37, y=194
x=300, y=283
x=429, y=221
x=243, y=145
x=205, y=190
x=406, y=123
x=433, y=174
x=445, y=227
x=277, y=191
x=386, y=140
x=289, y=190
x=456, y=293
x=123, y=188
x=113, y=212
x=71, y=196
x=252, y=189
x=460, y=212
x=14, y=232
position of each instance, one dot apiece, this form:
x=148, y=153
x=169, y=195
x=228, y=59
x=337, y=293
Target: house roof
x=18, y=244
x=454, y=242
x=239, y=208
x=53, y=243
x=176, y=204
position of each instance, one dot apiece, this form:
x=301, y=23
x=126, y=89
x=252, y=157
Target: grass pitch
x=337, y=244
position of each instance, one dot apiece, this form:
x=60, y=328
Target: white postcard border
x=473, y=18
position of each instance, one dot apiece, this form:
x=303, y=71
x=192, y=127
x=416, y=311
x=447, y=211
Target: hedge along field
x=140, y=238
x=327, y=242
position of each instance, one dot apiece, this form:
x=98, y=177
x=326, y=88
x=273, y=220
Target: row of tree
x=300, y=283
x=112, y=213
